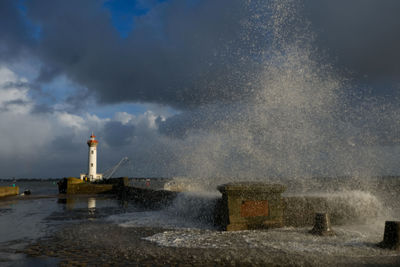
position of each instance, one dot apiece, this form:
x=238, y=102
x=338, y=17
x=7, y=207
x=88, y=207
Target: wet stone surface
x=98, y=244
x=102, y=244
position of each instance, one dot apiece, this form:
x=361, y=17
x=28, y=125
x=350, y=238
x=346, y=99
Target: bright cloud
x=53, y=142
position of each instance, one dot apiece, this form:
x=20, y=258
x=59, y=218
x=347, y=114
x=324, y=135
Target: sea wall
x=146, y=197
x=8, y=191
x=72, y=185
x=256, y=209
x=85, y=188
x=343, y=208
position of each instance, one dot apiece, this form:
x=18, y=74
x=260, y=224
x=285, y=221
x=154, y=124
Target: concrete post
x=322, y=225
x=391, y=236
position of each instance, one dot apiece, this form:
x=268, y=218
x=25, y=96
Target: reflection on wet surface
x=89, y=207
x=24, y=219
x=92, y=205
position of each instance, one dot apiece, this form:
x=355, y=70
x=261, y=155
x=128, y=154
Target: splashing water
x=291, y=122
x=287, y=121
x=292, y=118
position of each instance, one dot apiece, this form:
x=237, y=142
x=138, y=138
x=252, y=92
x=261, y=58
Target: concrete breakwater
x=258, y=208
x=254, y=205
x=146, y=197
x=73, y=185
x=8, y=191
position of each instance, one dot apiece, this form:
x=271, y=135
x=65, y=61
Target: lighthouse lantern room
x=92, y=174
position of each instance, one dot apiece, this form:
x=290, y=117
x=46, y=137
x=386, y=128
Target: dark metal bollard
x=322, y=225
x=391, y=237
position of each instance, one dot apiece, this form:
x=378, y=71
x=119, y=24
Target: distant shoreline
x=29, y=179
x=57, y=179
x=201, y=178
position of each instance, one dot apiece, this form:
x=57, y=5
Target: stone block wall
x=8, y=191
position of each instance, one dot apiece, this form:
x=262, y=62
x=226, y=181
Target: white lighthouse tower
x=92, y=174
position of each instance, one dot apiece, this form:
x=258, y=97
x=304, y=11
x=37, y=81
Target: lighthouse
x=92, y=174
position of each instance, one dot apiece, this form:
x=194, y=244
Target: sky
x=202, y=88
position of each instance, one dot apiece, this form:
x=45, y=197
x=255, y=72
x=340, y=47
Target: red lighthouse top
x=92, y=141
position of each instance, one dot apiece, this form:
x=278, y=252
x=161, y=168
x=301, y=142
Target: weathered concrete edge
x=8, y=191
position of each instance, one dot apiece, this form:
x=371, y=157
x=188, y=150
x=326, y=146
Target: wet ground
x=26, y=219
x=53, y=230
x=107, y=244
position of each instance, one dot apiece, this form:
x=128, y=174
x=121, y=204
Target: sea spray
x=189, y=210
x=292, y=121
x=293, y=118
x=286, y=126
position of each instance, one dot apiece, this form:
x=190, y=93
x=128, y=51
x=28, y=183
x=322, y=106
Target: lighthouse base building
x=91, y=178
x=92, y=174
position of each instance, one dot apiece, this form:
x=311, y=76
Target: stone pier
x=8, y=191
x=257, y=205
x=250, y=205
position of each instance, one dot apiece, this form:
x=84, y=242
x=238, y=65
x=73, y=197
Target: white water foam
x=188, y=223
x=349, y=240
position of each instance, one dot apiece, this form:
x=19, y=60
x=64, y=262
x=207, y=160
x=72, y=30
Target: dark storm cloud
x=14, y=35
x=199, y=56
x=373, y=123
x=185, y=54
x=362, y=36
x=179, y=126
x=178, y=54
x=210, y=117
x=117, y=134
x=42, y=109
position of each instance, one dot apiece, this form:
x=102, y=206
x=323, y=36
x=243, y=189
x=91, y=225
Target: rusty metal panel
x=254, y=208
